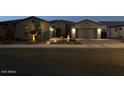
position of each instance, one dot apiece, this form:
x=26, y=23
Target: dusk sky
x=71, y=18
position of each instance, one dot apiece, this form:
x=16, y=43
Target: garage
x=86, y=33
x=86, y=29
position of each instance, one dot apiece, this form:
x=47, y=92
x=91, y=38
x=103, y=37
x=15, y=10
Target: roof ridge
x=23, y=19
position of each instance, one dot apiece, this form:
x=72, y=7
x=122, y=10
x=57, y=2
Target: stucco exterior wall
x=7, y=31
x=122, y=32
x=24, y=28
x=116, y=32
x=60, y=25
x=86, y=24
x=113, y=33
x=45, y=33
x=44, y=26
x=21, y=31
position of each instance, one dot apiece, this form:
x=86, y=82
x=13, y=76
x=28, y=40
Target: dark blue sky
x=71, y=18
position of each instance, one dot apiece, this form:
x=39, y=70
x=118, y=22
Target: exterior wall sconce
x=73, y=33
x=51, y=31
x=98, y=33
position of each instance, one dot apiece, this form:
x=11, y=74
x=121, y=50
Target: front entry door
x=58, y=32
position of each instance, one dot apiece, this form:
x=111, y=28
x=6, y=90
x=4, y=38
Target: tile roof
x=18, y=20
x=64, y=21
x=112, y=23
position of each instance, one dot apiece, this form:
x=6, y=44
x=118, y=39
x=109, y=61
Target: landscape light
x=54, y=40
x=47, y=42
x=33, y=38
x=68, y=38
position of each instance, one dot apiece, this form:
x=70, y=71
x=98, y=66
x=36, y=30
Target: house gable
x=86, y=24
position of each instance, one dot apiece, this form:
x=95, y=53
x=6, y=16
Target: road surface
x=63, y=60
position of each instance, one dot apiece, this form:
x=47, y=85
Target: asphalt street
x=63, y=60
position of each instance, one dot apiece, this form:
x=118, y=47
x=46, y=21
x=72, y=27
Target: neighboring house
x=114, y=29
x=61, y=28
x=86, y=29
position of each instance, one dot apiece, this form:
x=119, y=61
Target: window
x=39, y=27
x=26, y=27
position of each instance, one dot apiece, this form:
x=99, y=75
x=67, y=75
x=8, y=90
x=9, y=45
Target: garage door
x=86, y=33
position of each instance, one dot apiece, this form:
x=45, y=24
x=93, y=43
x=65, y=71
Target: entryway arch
x=58, y=32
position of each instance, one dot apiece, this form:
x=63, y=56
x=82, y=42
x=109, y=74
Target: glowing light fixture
x=51, y=31
x=98, y=33
x=68, y=38
x=47, y=42
x=73, y=32
x=33, y=38
x=55, y=40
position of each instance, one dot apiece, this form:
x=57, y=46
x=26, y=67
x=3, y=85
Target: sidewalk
x=110, y=43
x=64, y=46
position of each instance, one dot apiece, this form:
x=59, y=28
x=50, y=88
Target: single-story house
x=86, y=29
x=34, y=28
x=113, y=29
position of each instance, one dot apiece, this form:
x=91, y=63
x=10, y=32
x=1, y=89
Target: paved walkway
x=104, y=43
